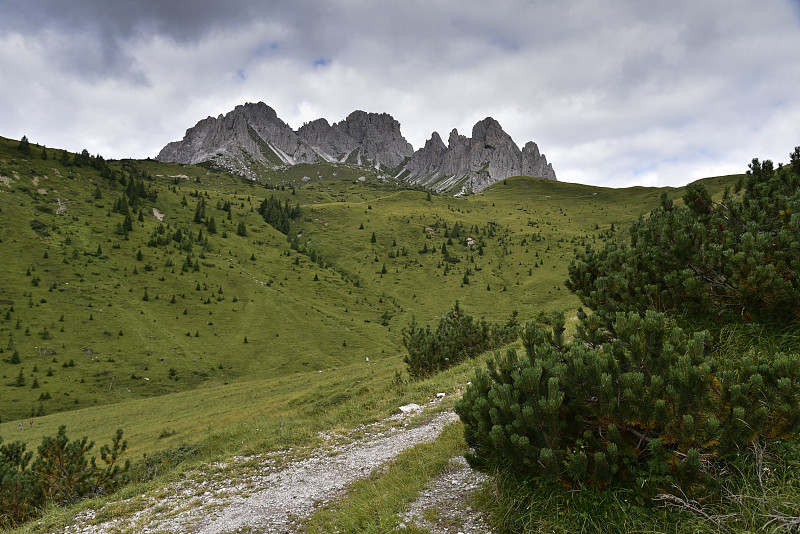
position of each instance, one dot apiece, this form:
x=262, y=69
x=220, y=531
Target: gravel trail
x=273, y=496
x=444, y=506
x=296, y=491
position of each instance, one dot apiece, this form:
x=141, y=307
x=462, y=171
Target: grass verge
x=762, y=495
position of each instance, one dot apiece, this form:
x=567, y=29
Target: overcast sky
x=615, y=93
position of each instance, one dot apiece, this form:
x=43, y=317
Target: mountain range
x=252, y=140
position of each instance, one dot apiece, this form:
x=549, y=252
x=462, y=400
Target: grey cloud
x=606, y=89
x=183, y=21
x=90, y=37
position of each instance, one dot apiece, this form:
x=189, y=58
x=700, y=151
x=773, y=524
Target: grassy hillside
x=105, y=322
x=123, y=306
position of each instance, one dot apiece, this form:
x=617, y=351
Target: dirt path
x=445, y=507
x=296, y=491
x=266, y=494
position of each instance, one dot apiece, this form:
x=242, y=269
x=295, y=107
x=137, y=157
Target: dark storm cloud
x=90, y=37
x=183, y=21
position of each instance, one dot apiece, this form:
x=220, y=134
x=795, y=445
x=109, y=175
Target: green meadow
x=201, y=340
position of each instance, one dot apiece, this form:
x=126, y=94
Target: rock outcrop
x=365, y=138
x=477, y=162
x=249, y=132
x=252, y=138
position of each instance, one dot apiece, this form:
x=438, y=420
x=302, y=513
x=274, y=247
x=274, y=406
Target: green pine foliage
x=278, y=214
x=738, y=257
x=650, y=407
x=24, y=146
x=19, y=381
x=457, y=337
x=241, y=229
x=633, y=399
x=61, y=473
x=200, y=211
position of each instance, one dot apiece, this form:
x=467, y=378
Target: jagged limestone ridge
x=253, y=136
x=488, y=156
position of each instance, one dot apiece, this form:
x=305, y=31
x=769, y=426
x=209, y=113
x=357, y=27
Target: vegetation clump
x=61, y=473
x=738, y=258
x=650, y=407
x=457, y=337
x=634, y=399
x=278, y=214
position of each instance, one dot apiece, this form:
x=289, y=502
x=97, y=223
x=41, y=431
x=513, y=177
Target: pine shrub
x=457, y=337
x=737, y=258
x=649, y=407
x=61, y=473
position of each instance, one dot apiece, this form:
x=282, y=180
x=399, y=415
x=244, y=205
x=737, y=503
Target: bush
x=734, y=259
x=61, y=473
x=40, y=228
x=457, y=338
x=650, y=407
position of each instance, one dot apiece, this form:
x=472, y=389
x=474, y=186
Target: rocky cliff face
x=365, y=138
x=249, y=132
x=252, y=138
x=475, y=163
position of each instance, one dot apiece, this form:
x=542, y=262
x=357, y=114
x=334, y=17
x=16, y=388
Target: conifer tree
x=200, y=211
x=633, y=399
x=83, y=159
x=24, y=146
x=20, y=380
x=457, y=337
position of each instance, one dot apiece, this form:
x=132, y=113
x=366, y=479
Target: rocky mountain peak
x=435, y=142
x=471, y=164
x=252, y=138
x=378, y=137
x=315, y=132
x=258, y=110
x=531, y=148
x=454, y=138
x=490, y=133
